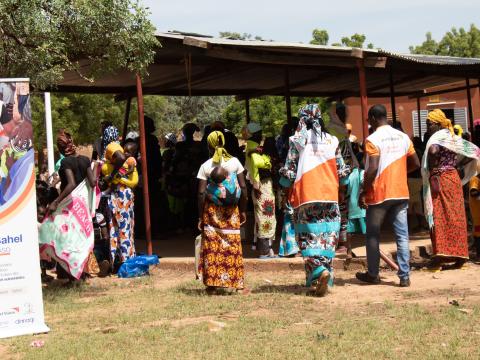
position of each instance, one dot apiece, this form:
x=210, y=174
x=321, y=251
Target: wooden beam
x=363, y=97
x=469, y=101
x=281, y=89
x=288, y=102
x=196, y=42
x=126, y=118
x=247, y=110
x=439, y=92
x=212, y=73
x=143, y=152
x=281, y=59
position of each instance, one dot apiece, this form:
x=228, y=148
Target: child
x=223, y=188
x=356, y=215
x=127, y=174
x=474, y=203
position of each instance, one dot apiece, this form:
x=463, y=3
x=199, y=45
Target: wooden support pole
x=392, y=99
x=419, y=117
x=247, y=109
x=126, y=118
x=288, y=100
x=143, y=152
x=363, y=96
x=470, y=109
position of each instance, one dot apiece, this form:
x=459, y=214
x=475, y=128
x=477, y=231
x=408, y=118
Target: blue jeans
x=397, y=211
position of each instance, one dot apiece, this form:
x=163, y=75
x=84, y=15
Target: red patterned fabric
x=449, y=233
x=221, y=262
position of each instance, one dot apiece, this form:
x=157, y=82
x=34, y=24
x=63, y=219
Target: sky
x=390, y=25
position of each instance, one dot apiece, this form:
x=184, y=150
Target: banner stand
x=21, y=303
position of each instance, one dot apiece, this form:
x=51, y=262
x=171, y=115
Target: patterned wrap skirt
x=288, y=241
x=264, y=208
x=317, y=228
x=221, y=259
x=121, y=224
x=449, y=232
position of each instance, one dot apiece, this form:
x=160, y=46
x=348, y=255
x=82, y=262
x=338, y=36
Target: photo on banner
x=21, y=303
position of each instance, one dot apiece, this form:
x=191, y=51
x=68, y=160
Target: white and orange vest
x=393, y=147
x=317, y=177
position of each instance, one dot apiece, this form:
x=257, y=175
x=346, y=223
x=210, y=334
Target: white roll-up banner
x=21, y=303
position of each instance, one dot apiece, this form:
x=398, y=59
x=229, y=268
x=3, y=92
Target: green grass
x=142, y=319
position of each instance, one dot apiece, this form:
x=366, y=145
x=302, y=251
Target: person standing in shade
x=259, y=173
x=390, y=157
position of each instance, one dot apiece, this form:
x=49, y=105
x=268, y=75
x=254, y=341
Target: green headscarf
x=216, y=141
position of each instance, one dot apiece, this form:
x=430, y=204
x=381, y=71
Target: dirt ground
x=178, y=309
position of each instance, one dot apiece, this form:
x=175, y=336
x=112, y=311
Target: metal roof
x=433, y=59
x=194, y=64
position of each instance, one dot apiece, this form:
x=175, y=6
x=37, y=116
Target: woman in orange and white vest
x=315, y=167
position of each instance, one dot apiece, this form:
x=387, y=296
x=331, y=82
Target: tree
x=269, y=111
x=428, y=47
x=320, y=37
x=80, y=114
x=41, y=39
x=356, y=40
x=456, y=42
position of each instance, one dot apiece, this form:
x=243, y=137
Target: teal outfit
x=356, y=215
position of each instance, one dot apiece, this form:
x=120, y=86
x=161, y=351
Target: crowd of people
x=316, y=180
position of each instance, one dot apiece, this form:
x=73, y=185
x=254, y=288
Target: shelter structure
x=196, y=65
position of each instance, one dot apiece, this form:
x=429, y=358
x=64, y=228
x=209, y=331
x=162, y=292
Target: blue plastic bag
x=137, y=266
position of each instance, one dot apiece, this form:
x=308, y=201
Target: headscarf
x=438, y=116
x=171, y=137
x=65, y=143
x=216, y=141
x=110, y=134
x=465, y=149
x=459, y=129
x=311, y=113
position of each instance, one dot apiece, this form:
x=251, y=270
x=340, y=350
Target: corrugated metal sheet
x=432, y=59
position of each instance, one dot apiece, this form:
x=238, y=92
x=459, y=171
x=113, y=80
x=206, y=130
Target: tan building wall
x=405, y=107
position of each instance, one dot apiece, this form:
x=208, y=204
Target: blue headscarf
x=110, y=134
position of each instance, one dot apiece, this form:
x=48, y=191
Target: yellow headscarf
x=459, y=129
x=438, y=116
x=216, y=141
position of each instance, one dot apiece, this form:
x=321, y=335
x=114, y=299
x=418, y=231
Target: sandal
x=322, y=284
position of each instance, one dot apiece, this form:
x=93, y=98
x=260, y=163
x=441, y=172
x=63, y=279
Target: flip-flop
x=322, y=284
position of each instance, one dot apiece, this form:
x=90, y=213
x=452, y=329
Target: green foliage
x=41, y=39
x=269, y=111
x=320, y=37
x=356, y=40
x=80, y=114
x=456, y=42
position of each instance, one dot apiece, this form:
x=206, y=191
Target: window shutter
x=460, y=118
x=419, y=129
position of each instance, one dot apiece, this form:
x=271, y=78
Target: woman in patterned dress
x=120, y=202
x=315, y=167
x=445, y=156
x=221, y=260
